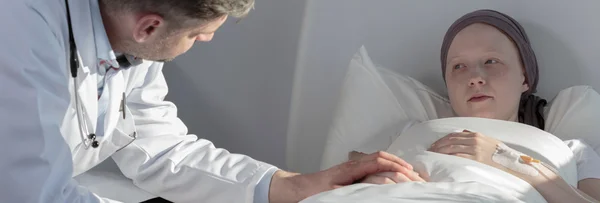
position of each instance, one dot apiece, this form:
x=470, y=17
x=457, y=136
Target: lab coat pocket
x=124, y=133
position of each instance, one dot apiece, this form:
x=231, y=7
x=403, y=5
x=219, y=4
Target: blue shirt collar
x=104, y=52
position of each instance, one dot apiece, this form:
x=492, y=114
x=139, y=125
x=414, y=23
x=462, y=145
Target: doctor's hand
x=393, y=178
x=387, y=177
x=470, y=145
x=292, y=187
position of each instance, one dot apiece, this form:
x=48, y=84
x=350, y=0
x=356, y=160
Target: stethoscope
x=88, y=137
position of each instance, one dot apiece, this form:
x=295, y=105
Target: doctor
x=81, y=83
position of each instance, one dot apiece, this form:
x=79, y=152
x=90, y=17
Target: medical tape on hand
x=511, y=159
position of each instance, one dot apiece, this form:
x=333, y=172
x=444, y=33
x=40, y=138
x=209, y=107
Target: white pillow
x=376, y=104
x=575, y=114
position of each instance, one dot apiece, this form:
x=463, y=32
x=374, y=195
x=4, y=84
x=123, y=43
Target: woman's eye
x=458, y=66
x=491, y=61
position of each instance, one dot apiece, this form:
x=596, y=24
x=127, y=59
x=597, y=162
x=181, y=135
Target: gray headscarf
x=531, y=107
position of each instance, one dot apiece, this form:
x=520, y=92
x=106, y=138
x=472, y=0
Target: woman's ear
x=524, y=87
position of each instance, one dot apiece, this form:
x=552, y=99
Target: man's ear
x=146, y=26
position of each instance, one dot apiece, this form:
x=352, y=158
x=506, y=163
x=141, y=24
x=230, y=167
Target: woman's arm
x=555, y=189
x=590, y=186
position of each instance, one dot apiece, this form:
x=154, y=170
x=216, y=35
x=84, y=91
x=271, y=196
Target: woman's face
x=484, y=74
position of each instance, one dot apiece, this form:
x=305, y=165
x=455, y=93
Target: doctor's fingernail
x=467, y=131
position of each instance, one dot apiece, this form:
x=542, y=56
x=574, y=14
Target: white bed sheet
x=458, y=179
x=415, y=192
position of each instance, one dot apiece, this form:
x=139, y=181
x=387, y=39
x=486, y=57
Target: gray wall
x=406, y=36
x=236, y=89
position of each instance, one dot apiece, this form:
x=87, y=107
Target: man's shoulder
x=30, y=18
x=32, y=26
x=52, y=11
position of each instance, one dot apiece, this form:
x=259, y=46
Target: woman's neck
x=514, y=117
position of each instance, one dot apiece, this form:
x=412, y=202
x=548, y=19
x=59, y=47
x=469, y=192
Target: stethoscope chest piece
x=92, y=137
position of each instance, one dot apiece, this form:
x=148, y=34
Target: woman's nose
x=477, y=81
x=477, y=78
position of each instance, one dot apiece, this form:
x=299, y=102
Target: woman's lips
x=479, y=98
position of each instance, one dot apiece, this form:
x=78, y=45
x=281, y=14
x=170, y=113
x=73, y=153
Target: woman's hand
x=470, y=145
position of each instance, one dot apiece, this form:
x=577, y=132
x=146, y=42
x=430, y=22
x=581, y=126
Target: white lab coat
x=37, y=110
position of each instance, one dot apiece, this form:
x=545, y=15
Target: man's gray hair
x=206, y=10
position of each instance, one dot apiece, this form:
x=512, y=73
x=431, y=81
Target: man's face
x=159, y=43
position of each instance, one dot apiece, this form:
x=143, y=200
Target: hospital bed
x=382, y=110
x=403, y=38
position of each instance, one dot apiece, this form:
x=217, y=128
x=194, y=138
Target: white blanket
x=457, y=179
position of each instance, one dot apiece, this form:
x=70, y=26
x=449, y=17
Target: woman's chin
x=489, y=115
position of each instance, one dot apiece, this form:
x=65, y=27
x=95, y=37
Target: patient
x=491, y=71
